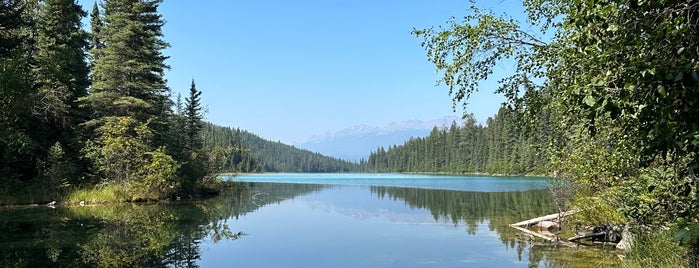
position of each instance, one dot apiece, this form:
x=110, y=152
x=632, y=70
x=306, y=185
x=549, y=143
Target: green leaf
x=590, y=101
x=661, y=90
x=599, y=82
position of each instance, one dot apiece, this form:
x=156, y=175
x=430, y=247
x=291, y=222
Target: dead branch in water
x=544, y=218
x=552, y=239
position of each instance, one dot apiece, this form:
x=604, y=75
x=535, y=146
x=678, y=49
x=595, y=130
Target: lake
x=303, y=220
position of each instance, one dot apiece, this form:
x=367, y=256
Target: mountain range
x=357, y=142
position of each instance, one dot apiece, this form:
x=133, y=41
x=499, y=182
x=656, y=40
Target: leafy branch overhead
x=468, y=52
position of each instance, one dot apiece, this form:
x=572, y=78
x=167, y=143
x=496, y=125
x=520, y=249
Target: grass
x=657, y=249
x=96, y=195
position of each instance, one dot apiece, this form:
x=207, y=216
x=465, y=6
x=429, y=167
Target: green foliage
x=61, y=69
x=619, y=82
x=17, y=143
x=467, y=52
x=124, y=127
x=596, y=211
x=159, y=176
x=57, y=168
x=658, y=197
x=119, y=150
x=193, y=119
x=657, y=249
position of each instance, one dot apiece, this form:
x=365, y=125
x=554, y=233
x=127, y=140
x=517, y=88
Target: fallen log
x=544, y=218
x=551, y=239
x=578, y=237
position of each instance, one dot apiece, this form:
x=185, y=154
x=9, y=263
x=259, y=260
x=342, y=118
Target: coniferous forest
x=86, y=109
x=500, y=147
x=92, y=110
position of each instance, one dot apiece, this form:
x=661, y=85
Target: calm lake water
x=302, y=220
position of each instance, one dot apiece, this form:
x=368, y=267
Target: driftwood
x=544, y=218
x=578, y=237
x=552, y=239
x=547, y=221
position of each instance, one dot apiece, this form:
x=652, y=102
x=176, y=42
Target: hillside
x=248, y=152
x=357, y=142
x=280, y=157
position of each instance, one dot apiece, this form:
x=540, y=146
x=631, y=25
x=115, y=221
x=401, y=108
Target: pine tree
x=60, y=76
x=96, y=26
x=129, y=99
x=61, y=73
x=11, y=21
x=128, y=73
x=196, y=160
x=16, y=145
x=193, y=119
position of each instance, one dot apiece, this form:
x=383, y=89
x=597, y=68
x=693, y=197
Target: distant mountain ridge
x=357, y=142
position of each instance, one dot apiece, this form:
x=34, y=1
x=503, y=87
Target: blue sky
x=287, y=70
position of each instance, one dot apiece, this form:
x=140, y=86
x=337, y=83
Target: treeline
x=242, y=151
x=83, y=109
x=279, y=157
x=500, y=147
x=228, y=145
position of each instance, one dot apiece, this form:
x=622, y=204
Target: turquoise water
x=443, y=182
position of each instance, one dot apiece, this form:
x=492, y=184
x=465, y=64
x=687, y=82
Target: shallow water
x=263, y=224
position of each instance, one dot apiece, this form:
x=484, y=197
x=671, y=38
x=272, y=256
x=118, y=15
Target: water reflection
x=154, y=235
x=176, y=235
x=498, y=210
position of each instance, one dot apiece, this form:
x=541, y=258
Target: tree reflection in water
x=499, y=209
x=172, y=235
x=130, y=235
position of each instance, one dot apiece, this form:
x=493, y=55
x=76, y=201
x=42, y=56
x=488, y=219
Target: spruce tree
x=129, y=99
x=193, y=118
x=96, y=26
x=128, y=73
x=195, y=167
x=16, y=145
x=60, y=77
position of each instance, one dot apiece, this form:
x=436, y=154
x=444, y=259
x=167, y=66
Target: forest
x=89, y=115
x=84, y=110
x=248, y=153
x=500, y=147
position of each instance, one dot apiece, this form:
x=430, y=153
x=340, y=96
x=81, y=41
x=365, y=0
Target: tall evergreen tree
x=193, y=119
x=16, y=145
x=128, y=73
x=194, y=168
x=96, y=26
x=60, y=78
x=11, y=21
x=61, y=71
x=129, y=99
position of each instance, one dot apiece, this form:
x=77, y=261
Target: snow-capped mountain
x=357, y=142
